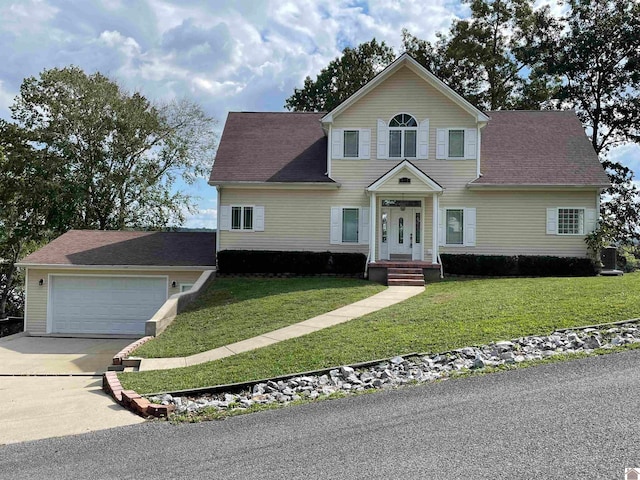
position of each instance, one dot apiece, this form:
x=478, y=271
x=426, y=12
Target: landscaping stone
x=402, y=370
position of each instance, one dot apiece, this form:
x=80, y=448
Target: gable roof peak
x=405, y=59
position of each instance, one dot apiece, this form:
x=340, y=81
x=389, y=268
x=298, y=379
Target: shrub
x=301, y=263
x=521, y=265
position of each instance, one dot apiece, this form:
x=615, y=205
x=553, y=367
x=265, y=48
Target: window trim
x=344, y=143
x=581, y=224
x=469, y=227
x=364, y=224
x=402, y=131
x=461, y=244
x=470, y=144
x=342, y=229
x=457, y=157
x=242, y=218
x=185, y=287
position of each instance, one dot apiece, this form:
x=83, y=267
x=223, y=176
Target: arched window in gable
x=403, y=136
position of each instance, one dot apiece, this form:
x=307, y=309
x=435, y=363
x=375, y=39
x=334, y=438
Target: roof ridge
x=272, y=112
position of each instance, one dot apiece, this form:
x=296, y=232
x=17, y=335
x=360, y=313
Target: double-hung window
x=403, y=136
x=454, y=222
x=456, y=144
x=349, y=224
x=241, y=218
x=351, y=143
x=457, y=227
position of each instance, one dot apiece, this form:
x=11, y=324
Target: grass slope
x=448, y=315
x=233, y=309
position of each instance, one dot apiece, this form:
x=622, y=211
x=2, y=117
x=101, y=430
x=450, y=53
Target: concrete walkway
x=388, y=297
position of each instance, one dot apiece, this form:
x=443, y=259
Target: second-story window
x=403, y=135
x=351, y=142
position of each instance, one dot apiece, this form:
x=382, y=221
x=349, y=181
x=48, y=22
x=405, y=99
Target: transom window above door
x=403, y=136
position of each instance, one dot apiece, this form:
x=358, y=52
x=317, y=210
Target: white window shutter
x=363, y=227
x=383, y=139
x=225, y=217
x=336, y=225
x=469, y=231
x=470, y=143
x=441, y=143
x=364, y=147
x=258, y=219
x=591, y=219
x=337, y=143
x=441, y=226
x=423, y=139
x=552, y=221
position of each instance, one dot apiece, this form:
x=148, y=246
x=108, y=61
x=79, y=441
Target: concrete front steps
x=405, y=276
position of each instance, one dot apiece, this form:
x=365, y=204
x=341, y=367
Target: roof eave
x=68, y=266
x=530, y=186
x=286, y=185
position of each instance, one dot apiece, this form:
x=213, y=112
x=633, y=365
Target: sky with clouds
x=226, y=55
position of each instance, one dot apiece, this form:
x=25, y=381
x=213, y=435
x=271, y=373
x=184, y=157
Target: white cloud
x=628, y=155
x=126, y=45
x=203, y=218
x=6, y=99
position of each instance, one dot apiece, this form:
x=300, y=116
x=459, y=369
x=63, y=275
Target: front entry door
x=401, y=231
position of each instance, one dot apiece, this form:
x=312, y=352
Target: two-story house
x=404, y=170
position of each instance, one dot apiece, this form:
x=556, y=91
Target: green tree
x=597, y=57
x=341, y=78
x=28, y=184
x=118, y=153
x=488, y=58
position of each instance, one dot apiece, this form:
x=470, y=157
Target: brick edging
x=126, y=351
x=131, y=400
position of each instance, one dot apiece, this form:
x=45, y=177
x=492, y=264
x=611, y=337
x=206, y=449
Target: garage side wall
x=38, y=295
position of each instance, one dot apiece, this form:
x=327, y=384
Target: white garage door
x=112, y=305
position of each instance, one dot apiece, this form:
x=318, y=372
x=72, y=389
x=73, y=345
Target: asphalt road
x=578, y=419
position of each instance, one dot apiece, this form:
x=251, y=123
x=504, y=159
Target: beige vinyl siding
x=405, y=92
x=514, y=223
x=294, y=220
x=37, y=296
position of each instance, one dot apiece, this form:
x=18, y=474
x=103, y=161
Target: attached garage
x=89, y=282
x=104, y=304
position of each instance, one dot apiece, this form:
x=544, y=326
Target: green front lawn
x=448, y=315
x=234, y=309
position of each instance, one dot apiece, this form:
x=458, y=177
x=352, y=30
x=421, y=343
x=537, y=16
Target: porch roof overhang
x=429, y=184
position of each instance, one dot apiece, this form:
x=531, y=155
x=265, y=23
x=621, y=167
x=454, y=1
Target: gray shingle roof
x=538, y=148
x=99, y=247
x=271, y=147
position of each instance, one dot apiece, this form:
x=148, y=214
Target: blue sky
x=225, y=55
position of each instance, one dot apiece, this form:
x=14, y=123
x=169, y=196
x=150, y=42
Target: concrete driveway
x=51, y=387
x=47, y=355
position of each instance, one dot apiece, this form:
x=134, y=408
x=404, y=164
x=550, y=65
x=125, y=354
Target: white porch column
x=373, y=218
x=434, y=229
